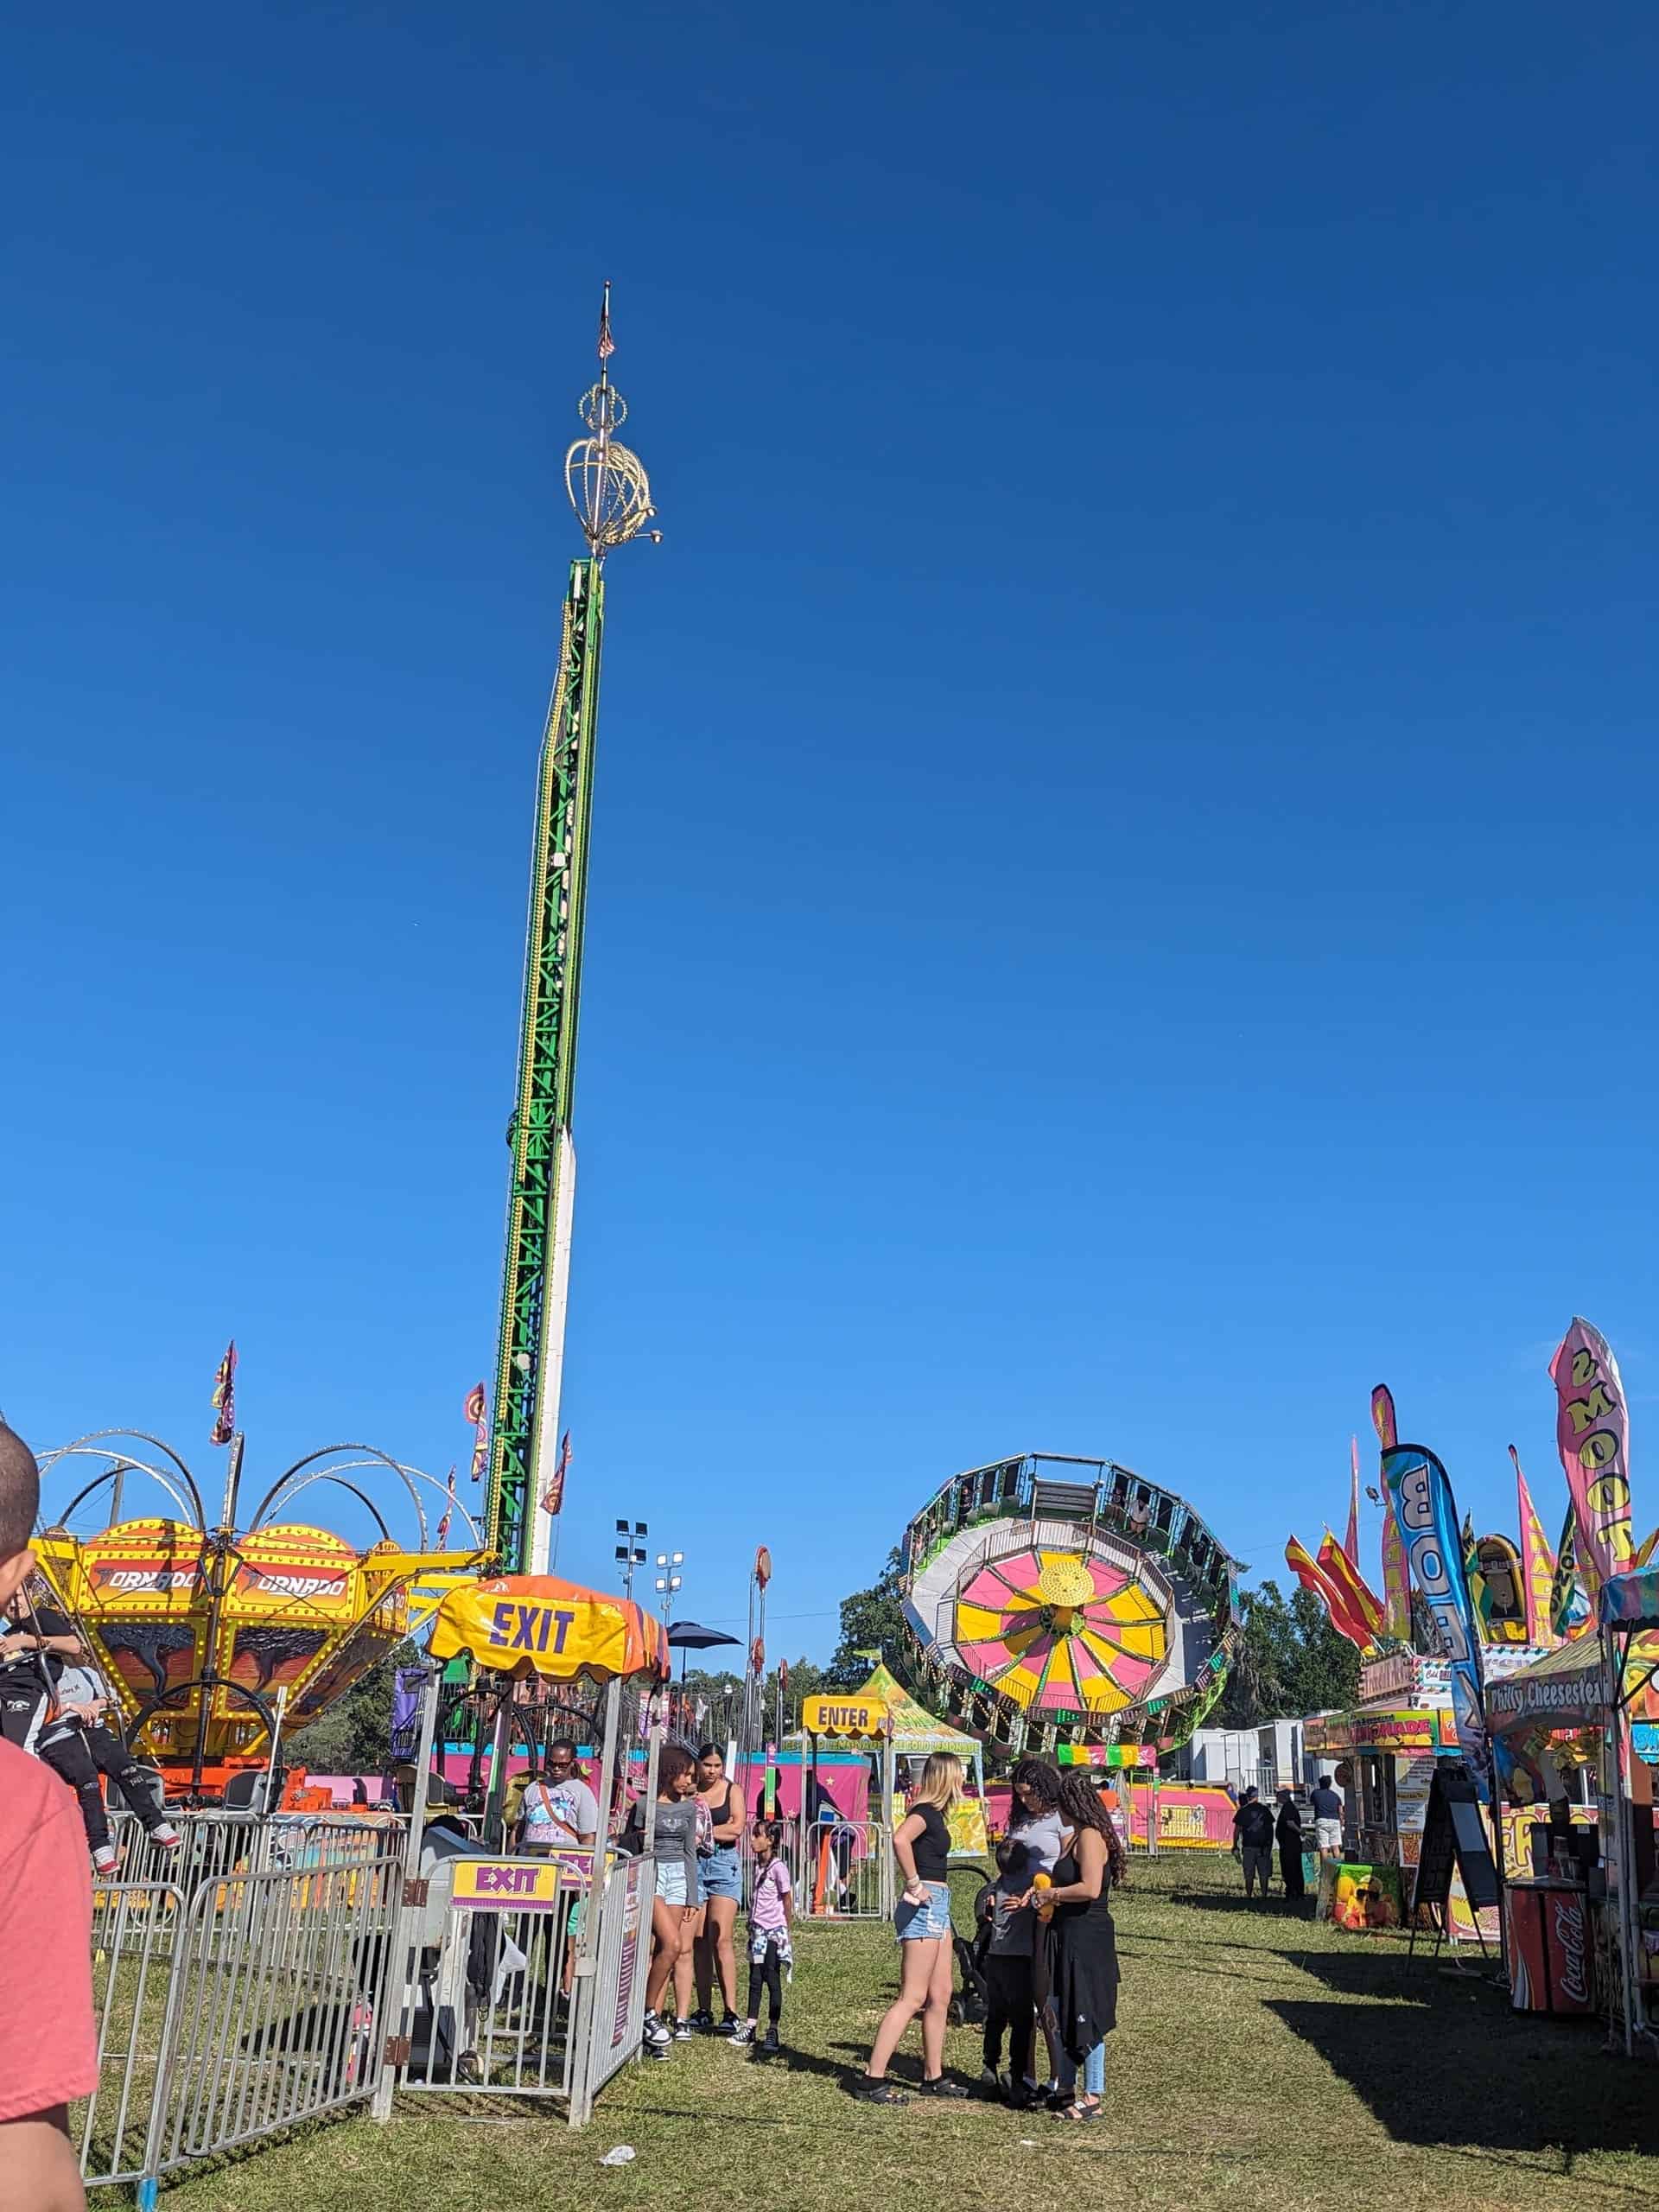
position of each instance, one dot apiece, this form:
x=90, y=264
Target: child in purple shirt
x=769, y=1945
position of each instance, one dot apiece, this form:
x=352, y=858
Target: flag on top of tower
x=1537, y=1561
x=607, y=343
x=225, y=1397
x=449, y=1507
x=1353, y=1545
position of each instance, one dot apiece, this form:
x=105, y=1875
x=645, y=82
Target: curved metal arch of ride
x=198, y=1627
x=1088, y=1606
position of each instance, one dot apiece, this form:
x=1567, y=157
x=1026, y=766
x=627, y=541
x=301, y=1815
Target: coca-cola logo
x=1569, y=1937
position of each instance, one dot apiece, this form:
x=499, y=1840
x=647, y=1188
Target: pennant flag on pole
x=225, y=1397
x=607, y=344
x=1428, y=1513
x=1396, y=1586
x=1592, y=1435
x=443, y=1525
x=1359, y=1601
x=553, y=1496
x=1537, y=1561
x=1353, y=1545
x=477, y=1410
x=1311, y=1576
x=1645, y=1551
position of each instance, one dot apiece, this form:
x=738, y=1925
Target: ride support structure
x=611, y=494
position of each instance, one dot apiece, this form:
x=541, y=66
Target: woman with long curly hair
x=1082, y=1943
x=1035, y=1821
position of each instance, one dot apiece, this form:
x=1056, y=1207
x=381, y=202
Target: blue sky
x=1123, y=901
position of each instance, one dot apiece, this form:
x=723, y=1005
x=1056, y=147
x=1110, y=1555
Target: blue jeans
x=1094, y=2071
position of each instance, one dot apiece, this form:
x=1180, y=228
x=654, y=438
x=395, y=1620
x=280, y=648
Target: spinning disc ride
x=1053, y=1601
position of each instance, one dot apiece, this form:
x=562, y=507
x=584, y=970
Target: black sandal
x=871, y=2092
x=1080, y=2110
x=942, y=2086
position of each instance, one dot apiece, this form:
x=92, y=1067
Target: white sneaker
x=104, y=1860
x=656, y=2034
x=165, y=1836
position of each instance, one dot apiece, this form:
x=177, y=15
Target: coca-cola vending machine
x=1549, y=1948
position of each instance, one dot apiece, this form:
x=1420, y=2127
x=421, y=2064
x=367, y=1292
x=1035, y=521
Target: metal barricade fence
x=841, y=1870
x=132, y=1950
x=487, y=2005
x=612, y=2019
x=276, y=1998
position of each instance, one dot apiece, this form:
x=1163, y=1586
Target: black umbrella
x=691, y=1636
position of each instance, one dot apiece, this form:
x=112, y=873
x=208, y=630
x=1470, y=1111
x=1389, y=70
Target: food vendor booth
x=1383, y=1756
x=1546, y=1722
x=1628, y=1617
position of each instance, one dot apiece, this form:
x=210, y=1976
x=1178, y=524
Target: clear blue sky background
x=1123, y=894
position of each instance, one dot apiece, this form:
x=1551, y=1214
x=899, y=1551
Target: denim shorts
x=720, y=1875
x=670, y=1881
x=925, y=1924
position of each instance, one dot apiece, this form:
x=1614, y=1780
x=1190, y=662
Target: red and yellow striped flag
x=1361, y=1606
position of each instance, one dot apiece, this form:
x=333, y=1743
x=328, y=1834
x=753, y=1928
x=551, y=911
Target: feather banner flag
x=477, y=1410
x=1383, y=1419
x=1421, y=1490
x=1311, y=1576
x=1570, y=1609
x=1592, y=1435
x=449, y=1507
x=553, y=1496
x=225, y=1397
x=1644, y=1552
x=1359, y=1601
x=1396, y=1587
x=1537, y=1560
x=1351, y=1547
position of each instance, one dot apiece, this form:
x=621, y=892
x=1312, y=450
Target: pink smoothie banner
x=1592, y=1435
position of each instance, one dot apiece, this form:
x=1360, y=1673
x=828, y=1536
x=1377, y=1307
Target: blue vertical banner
x=1420, y=1491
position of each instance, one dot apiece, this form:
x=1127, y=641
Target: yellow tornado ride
x=199, y=1629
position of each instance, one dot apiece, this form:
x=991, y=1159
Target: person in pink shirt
x=48, y=2052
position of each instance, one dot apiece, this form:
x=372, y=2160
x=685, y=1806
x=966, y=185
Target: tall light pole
x=669, y=1579
x=630, y=1553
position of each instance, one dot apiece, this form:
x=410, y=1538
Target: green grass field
x=1258, y=2059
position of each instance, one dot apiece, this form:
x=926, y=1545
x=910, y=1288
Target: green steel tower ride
x=611, y=494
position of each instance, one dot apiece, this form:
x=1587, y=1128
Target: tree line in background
x=1290, y=1661
x=353, y=1736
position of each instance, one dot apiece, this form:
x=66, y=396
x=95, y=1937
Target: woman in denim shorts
x=721, y=1887
x=921, y=1844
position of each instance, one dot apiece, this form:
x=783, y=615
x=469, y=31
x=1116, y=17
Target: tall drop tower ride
x=611, y=494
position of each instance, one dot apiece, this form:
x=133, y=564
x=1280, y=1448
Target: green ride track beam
x=523, y=1449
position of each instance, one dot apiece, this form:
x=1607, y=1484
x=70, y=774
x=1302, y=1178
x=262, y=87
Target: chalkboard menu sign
x=1453, y=1835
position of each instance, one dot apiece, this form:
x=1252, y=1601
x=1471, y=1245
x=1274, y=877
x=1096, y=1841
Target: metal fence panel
x=278, y=1983
x=612, y=2016
x=840, y=1868
x=132, y=1946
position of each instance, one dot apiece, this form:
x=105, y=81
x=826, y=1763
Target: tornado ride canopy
x=1054, y=1600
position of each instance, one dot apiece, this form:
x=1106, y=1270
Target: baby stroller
x=970, y=2003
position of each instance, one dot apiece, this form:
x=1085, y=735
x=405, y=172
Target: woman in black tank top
x=921, y=1844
